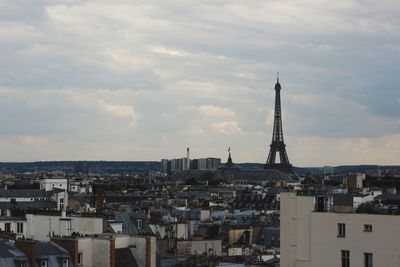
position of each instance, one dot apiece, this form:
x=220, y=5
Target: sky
x=144, y=80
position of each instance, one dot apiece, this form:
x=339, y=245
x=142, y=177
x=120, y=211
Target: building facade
x=313, y=239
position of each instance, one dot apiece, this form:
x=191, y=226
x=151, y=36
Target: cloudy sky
x=143, y=80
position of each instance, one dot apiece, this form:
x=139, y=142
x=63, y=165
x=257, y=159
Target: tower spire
x=277, y=144
x=229, y=156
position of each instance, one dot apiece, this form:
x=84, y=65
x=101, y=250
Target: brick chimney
x=69, y=244
x=28, y=246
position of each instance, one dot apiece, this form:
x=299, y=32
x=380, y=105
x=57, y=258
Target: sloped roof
x=124, y=258
x=49, y=248
x=15, y=193
x=44, y=204
x=129, y=225
x=9, y=250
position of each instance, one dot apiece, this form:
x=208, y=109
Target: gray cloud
x=138, y=80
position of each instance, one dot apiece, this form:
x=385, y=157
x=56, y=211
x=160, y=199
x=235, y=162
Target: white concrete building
x=105, y=250
x=43, y=226
x=13, y=225
x=197, y=247
x=61, y=198
x=332, y=239
x=49, y=184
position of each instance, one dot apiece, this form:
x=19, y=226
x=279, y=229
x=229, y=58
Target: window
x=367, y=227
x=80, y=258
x=345, y=258
x=64, y=262
x=7, y=227
x=20, y=228
x=139, y=224
x=341, y=230
x=61, y=203
x=368, y=260
x=43, y=263
x=20, y=263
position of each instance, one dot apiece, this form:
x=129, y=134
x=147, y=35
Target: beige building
x=199, y=247
x=110, y=250
x=332, y=239
x=355, y=180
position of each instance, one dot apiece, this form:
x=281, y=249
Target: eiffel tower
x=278, y=144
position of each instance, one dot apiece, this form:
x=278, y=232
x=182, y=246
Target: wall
x=13, y=227
x=194, y=247
x=310, y=239
x=236, y=234
x=101, y=252
x=383, y=241
x=85, y=247
x=143, y=248
x=50, y=184
x=39, y=226
x=295, y=229
x=158, y=228
x=204, y=214
x=182, y=230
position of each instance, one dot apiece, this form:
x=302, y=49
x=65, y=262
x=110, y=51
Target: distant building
x=205, y=164
x=44, y=226
x=110, y=250
x=54, y=183
x=200, y=247
x=16, y=202
x=13, y=225
x=164, y=165
x=355, y=180
x=328, y=169
x=184, y=164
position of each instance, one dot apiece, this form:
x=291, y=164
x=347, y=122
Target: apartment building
x=110, y=250
x=314, y=237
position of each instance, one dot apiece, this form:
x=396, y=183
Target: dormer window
x=43, y=263
x=139, y=224
x=20, y=263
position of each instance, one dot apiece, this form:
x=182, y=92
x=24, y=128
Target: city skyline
x=131, y=80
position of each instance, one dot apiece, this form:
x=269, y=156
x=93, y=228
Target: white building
x=43, y=226
x=105, y=250
x=197, y=247
x=13, y=225
x=60, y=197
x=332, y=239
x=49, y=184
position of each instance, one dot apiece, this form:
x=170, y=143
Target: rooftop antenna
x=277, y=77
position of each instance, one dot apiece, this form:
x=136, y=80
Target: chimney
x=28, y=246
